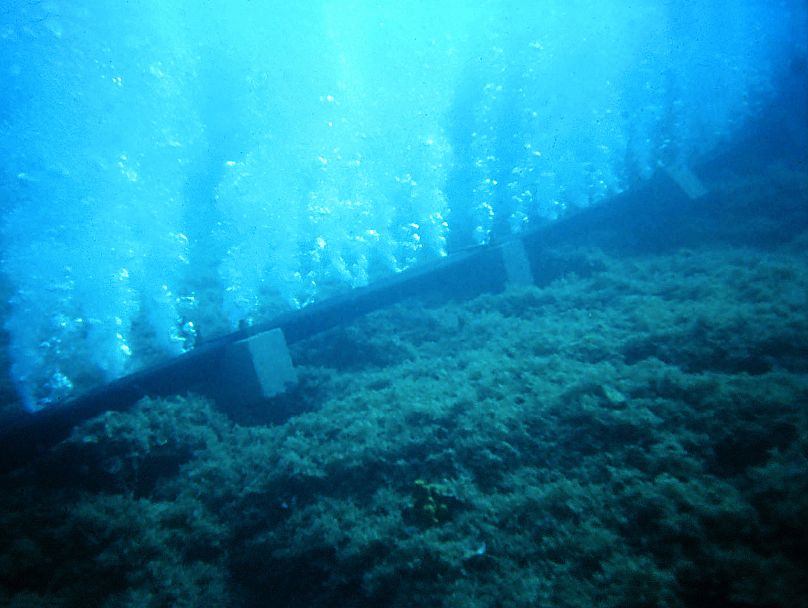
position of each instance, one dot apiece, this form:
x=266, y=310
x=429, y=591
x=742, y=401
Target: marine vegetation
x=635, y=434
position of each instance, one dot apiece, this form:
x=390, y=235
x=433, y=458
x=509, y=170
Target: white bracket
x=256, y=368
x=517, y=264
x=688, y=181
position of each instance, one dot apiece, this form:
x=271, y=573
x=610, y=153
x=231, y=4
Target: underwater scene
x=366, y=304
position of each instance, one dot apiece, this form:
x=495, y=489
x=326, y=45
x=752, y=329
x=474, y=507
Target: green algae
x=634, y=437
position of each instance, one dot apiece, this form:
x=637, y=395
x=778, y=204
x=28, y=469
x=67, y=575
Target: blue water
x=171, y=170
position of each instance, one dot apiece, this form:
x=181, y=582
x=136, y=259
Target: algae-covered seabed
x=631, y=435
